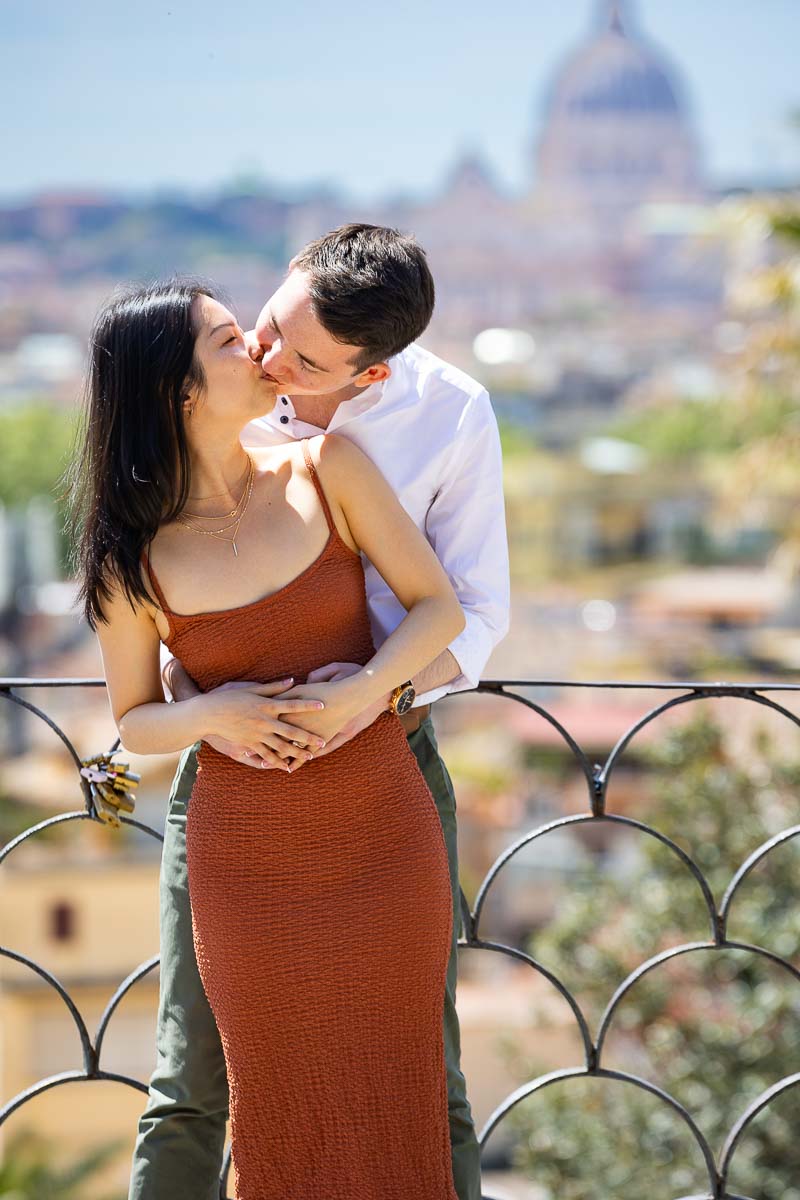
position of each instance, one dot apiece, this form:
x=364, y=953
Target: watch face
x=405, y=700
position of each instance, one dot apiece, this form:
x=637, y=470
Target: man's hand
x=329, y=674
x=178, y=681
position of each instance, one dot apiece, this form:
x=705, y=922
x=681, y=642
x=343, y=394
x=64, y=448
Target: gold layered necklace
x=227, y=492
x=233, y=517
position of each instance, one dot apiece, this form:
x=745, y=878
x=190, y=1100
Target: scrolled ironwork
x=597, y=778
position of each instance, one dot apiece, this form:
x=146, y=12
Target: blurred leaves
x=35, y=444
x=28, y=1173
x=744, y=443
x=712, y=1028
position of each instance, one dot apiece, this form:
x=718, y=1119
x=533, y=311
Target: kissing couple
x=309, y=517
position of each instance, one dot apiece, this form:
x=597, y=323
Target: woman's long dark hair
x=131, y=472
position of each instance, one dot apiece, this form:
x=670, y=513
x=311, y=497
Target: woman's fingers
x=293, y=733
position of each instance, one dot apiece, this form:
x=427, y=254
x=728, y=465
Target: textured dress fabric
x=322, y=917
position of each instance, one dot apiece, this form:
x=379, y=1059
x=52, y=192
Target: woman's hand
x=245, y=724
x=342, y=701
x=363, y=718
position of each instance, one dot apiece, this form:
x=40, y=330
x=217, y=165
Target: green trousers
x=180, y=1145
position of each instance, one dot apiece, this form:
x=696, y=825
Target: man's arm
x=440, y=671
x=466, y=526
x=436, y=674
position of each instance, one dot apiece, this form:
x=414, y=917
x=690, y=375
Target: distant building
x=618, y=210
x=617, y=132
x=617, y=223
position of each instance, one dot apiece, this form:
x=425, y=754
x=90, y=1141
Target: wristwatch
x=402, y=698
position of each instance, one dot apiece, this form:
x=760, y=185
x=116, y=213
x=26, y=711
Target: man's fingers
x=270, y=759
x=287, y=756
x=281, y=748
x=322, y=674
x=273, y=688
x=291, y=749
x=251, y=759
x=332, y=745
x=331, y=672
x=300, y=706
x=293, y=733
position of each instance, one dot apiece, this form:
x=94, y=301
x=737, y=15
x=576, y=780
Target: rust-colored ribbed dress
x=322, y=918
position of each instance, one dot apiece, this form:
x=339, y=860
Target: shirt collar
x=368, y=398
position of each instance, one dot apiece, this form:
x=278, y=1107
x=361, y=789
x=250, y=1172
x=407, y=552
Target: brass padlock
x=111, y=786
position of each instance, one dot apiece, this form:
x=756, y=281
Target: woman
x=321, y=900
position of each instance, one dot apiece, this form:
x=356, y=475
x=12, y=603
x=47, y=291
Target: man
x=337, y=339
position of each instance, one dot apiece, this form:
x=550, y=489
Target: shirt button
x=284, y=400
x=284, y=420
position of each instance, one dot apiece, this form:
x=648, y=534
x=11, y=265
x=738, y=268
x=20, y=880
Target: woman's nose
x=254, y=347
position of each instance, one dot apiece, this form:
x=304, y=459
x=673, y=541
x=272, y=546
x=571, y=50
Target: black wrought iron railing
x=598, y=779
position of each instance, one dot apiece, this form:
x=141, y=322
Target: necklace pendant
x=235, y=551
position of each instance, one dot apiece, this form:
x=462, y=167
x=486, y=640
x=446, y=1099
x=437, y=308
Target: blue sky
x=372, y=98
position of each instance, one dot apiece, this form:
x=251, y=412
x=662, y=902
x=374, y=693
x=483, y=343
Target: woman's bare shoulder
x=337, y=455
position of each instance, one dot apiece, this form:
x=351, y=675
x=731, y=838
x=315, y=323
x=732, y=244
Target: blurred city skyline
x=192, y=97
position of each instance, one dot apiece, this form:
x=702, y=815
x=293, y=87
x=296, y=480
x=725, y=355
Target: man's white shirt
x=432, y=433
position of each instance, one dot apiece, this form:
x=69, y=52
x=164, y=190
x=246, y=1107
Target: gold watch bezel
x=398, y=692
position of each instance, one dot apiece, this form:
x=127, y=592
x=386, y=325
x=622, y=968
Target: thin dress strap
x=312, y=470
x=162, y=600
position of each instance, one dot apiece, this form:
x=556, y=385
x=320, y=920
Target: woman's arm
x=130, y=644
x=383, y=530
x=385, y=533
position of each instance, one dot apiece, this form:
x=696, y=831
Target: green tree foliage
x=27, y=1171
x=713, y=1028
x=689, y=429
x=745, y=442
x=35, y=445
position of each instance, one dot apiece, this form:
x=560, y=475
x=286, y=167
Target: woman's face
x=235, y=389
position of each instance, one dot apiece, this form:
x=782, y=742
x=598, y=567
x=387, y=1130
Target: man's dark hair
x=370, y=287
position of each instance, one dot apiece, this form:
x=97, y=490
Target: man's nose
x=270, y=354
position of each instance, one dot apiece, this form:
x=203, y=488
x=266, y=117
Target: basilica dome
x=616, y=130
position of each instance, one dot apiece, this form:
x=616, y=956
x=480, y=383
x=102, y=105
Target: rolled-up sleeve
x=466, y=526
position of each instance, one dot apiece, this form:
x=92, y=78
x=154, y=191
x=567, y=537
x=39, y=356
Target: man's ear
x=373, y=374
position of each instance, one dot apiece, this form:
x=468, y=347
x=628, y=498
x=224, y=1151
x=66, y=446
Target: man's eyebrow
x=303, y=357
